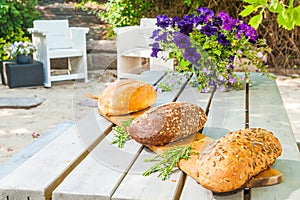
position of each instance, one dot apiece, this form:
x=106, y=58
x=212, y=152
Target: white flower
x=19, y=47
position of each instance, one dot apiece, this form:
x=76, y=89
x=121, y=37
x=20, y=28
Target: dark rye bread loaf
x=233, y=159
x=167, y=123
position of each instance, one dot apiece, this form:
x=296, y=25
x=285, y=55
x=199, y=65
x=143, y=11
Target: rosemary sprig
x=121, y=135
x=168, y=161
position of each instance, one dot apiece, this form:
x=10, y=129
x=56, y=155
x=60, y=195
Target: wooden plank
x=193, y=190
x=267, y=111
x=136, y=186
x=226, y=112
x=105, y=167
x=288, y=189
x=100, y=173
x=144, y=186
x=33, y=148
x=36, y=178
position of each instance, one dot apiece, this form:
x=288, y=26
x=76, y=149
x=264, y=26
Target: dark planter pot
x=23, y=59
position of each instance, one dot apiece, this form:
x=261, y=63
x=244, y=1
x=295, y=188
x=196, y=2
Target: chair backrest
x=57, y=31
x=147, y=26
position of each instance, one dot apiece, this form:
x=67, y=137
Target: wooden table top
x=83, y=164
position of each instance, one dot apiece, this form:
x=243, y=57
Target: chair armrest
x=36, y=31
x=78, y=37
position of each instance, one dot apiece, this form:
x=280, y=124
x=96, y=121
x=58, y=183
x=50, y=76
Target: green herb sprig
x=168, y=160
x=121, y=135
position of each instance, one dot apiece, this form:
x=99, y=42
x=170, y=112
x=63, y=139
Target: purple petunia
x=161, y=37
x=222, y=40
x=186, y=25
x=205, y=90
x=205, y=39
x=181, y=40
x=155, y=33
x=208, y=30
x=191, y=55
x=228, y=23
x=206, y=71
x=155, y=49
x=248, y=30
x=206, y=12
x=163, y=21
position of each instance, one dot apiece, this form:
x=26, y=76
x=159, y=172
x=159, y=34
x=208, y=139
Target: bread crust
x=233, y=159
x=126, y=96
x=167, y=123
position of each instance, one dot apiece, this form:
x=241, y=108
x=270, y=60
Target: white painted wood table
x=80, y=163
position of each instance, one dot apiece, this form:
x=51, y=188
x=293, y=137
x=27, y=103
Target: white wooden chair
x=55, y=39
x=133, y=44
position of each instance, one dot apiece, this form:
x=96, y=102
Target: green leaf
x=284, y=19
x=248, y=10
x=250, y=1
x=296, y=15
x=257, y=2
x=276, y=8
x=256, y=20
x=217, y=52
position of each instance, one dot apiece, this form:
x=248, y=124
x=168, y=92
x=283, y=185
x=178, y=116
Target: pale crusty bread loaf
x=126, y=96
x=233, y=159
x=167, y=123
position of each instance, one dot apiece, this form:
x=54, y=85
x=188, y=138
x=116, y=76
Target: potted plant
x=20, y=52
x=208, y=46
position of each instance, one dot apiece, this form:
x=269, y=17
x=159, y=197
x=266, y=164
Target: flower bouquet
x=208, y=46
x=18, y=48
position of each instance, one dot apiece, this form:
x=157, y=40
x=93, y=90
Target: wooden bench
x=81, y=163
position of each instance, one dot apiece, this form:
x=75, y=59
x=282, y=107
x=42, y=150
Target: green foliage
x=124, y=12
x=15, y=18
x=288, y=16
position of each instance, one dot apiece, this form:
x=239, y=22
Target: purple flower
x=206, y=71
x=208, y=30
x=260, y=54
x=228, y=23
x=163, y=21
x=249, y=31
x=231, y=59
x=191, y=55
x=206, y=12
x=217, y=21
x=198, y=20
x=186, y=25
x=181, y=40
x=229, y=67
x=222, y=40
x=157, y=89
x=220, y=78
x=155, y=33
x=232, y=80
x=161, y=37
x=175, y=20
x=205, y=90
x=155, y=49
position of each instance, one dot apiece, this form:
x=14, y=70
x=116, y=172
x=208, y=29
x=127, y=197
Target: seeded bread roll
x=233, y=159
x=126, y=96
x=167, y=123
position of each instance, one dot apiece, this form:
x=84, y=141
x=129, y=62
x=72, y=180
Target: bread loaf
x=167, y=123
x=126, y=96
x=233, y=159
